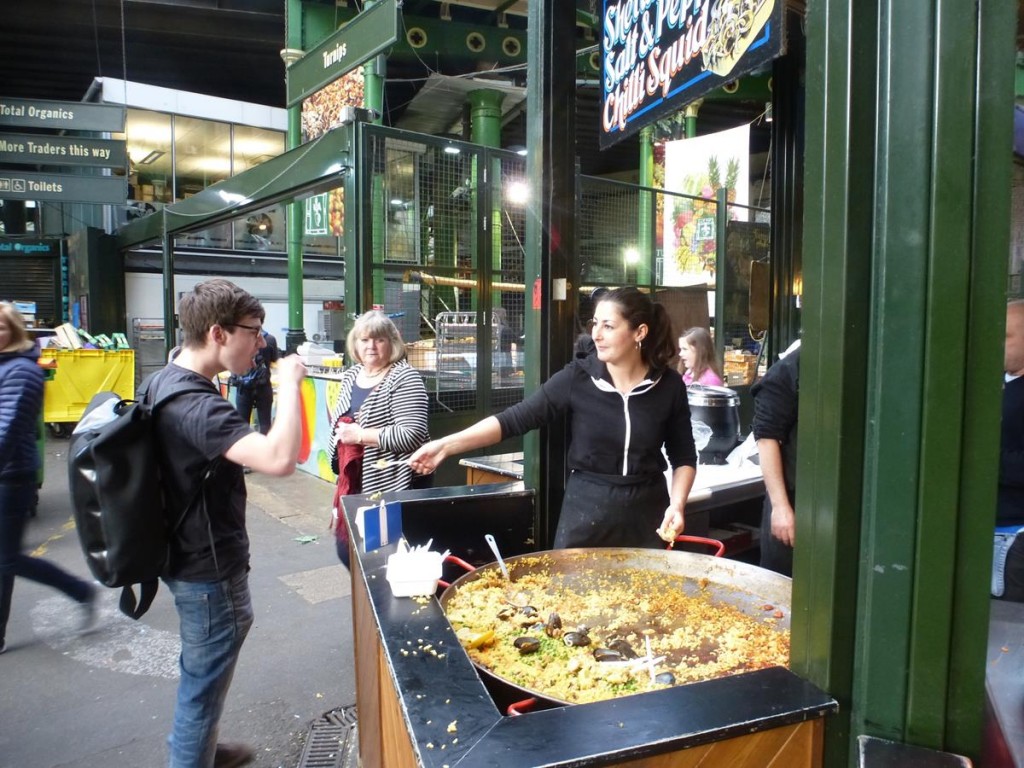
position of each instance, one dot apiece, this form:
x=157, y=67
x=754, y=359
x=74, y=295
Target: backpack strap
x=134, y=608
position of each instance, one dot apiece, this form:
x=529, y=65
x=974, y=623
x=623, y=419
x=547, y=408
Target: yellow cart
x=78, y=374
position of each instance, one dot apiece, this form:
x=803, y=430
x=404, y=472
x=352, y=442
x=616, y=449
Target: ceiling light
x=152, y=157
x=518, y=192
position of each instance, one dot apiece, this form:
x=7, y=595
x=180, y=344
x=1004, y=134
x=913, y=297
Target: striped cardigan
x=398, y=408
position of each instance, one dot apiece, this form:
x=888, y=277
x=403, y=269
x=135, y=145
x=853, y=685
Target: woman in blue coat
x=21, y=399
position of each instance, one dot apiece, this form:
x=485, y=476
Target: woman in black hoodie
x=624, y=405
x=21, y=399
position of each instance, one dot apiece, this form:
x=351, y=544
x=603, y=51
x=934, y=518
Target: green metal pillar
x=294, y=212
x=645, y=236
x=170, y=299
x=691, y=117
x=485, y=130
x=374, y=72
x=485, y=116
x=909, y=117
x=550, y=238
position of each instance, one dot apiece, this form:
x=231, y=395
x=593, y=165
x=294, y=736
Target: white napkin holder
x=413, y=573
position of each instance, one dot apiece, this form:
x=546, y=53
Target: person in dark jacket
x=21, y=400
x=1008, y=559
x=254, y=387
x=624, y=405
x=775, y=423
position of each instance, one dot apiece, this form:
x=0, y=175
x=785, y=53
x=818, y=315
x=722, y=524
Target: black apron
x=612, y=511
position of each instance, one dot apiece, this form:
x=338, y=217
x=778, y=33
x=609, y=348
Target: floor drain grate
x=332, y=741
x=342, y=716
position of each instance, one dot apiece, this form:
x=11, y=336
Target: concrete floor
x=105, y=700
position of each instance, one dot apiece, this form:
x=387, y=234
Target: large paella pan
x=580, y=625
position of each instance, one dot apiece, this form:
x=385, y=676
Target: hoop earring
x=640, y=344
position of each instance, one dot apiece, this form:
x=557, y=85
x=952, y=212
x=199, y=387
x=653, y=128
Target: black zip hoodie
x=613, y=434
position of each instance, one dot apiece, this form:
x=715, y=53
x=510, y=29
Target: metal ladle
x=497, y=555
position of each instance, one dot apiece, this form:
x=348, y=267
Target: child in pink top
x=697, y=361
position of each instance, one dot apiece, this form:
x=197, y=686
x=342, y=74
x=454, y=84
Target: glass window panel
x=253, y=146
x=202, y=154
x=261, y=231
x=148, y=138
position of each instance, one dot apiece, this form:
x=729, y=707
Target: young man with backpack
x=204, y=443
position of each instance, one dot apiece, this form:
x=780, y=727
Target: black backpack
x=117, y=498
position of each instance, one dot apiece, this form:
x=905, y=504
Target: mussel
x=607, y=654
x=624, y=648
x=508, y=612
x=528, y=616
x=665, y=678
x=576, y=639
x=554, y=626
x=527, y=645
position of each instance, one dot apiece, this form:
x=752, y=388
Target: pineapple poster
x=696, y=168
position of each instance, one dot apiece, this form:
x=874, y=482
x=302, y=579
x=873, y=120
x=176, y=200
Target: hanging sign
x=21, y=185
x=66, y=115
x=11, y=246
x=659, y=55
x=39, y=149
x=370, y=32
x=317, y=218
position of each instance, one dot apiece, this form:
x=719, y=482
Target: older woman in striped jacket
x=379, y=420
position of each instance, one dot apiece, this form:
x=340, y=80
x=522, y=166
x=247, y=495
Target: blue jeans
x=214, y=619
x=16, y=498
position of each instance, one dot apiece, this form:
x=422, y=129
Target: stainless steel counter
x=714, y=485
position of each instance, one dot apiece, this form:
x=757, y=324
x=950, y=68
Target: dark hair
x=700, y=340
x=214, y=302
x=637, y=309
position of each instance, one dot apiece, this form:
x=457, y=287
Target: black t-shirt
x=193, y=431
x=776, y=399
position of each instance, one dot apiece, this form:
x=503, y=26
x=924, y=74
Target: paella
x=575, y=629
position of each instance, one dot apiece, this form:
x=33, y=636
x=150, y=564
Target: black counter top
x=452, y=720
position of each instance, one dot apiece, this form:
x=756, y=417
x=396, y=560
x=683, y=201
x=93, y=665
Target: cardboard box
x=422, y=355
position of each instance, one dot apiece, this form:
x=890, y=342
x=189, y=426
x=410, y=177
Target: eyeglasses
x=256, y=329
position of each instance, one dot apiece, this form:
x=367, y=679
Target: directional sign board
x=65, y=115
x=107, y=190
x=38, y=149
x=369, y=33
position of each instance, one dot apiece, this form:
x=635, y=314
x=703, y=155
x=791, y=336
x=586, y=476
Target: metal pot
x=717, y=409
x=746, y=587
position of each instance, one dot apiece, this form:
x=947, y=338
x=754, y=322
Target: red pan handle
x=459, y=562
x=719, y=546
x=519, y=707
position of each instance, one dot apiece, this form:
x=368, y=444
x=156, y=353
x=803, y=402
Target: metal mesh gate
x=444, y=256
x=442, y=250
x=670, y=243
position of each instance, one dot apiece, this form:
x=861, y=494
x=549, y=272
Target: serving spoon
x=497, y=555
